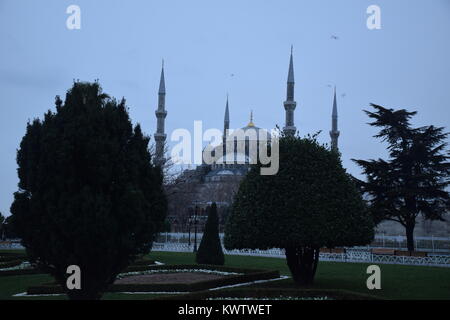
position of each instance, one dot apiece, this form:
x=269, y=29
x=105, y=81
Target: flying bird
x=334, y=37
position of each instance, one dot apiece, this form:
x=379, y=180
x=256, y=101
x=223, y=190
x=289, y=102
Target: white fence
x=179, y=242
x=428, y=244
x=351, y=255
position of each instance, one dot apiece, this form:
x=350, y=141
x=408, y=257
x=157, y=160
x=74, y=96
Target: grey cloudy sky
x=214, y=47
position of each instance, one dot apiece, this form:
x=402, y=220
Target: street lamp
x=195, y=229
x=189, y=227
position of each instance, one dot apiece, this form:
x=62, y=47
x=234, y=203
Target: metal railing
x=428, y=244
x=350, y=255
x=438, y=256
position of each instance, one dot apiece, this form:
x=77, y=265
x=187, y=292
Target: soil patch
x=180, y=277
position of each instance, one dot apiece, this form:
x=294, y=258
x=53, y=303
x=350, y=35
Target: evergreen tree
x=88, y=194
x=2, y=222
x=210, y=250
x=310, y=203
x=8, y=228
x=414, y=179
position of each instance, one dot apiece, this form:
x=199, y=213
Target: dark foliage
x=210, y=249
x=310, y=203
x=414, y=179
x=88, y=192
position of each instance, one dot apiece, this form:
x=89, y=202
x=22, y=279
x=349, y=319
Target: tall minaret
x=161, y=113
x=226, y=121
x=290, y=104
x=334, y=133
x=226, y=127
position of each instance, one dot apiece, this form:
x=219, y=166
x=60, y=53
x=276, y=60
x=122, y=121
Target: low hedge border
x=143, y=262
x=10, y=264
x=12, y=257
x=7, y=253
x=259, y=293
x=139, y=265
x=248, y=276
x=20, y=272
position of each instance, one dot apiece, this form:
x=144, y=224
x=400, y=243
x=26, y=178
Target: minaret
x=226, y=127
x=334, y=133
x=290, y=104
x=161, y=113
x=226, y=121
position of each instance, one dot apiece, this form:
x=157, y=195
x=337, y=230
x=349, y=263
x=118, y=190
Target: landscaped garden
x=92, y=242
x=333, y=281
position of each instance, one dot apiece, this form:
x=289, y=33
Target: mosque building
x=219, y=181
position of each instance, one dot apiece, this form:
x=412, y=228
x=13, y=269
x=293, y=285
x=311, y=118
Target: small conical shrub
x=210, y=250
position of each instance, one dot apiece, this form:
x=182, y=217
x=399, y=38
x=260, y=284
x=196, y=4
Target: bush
x=210, y=249
x=11, y=263
x=89, y=194
x=20, y=272
x=5, y=258
x=309, y=204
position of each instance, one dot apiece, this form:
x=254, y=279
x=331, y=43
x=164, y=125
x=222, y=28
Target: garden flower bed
x=216, y=276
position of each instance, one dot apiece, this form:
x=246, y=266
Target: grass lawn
x=397, y=281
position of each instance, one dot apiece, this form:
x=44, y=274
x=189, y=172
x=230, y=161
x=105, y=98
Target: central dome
x=252, y=132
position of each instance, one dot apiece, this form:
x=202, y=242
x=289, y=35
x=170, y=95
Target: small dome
x=258, y=132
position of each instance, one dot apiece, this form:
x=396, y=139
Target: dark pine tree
x=210, y=249
x=88, y=194
x=8, y=228
x=310, y=203
x=2, y=229
x=414, y=179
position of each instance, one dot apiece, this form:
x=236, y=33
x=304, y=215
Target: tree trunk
x=410, y=236
x=302, y=262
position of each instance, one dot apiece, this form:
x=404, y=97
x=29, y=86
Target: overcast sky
x=214, y=47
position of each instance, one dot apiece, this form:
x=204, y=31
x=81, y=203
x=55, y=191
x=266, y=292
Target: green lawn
x=397, y=281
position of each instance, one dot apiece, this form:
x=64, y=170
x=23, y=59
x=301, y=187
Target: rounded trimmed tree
x=210, y=249
x=88, y=194
x=309, y=204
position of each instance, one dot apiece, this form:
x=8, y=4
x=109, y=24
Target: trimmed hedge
x=142, y=263
x=20, y=272
x=248, y=276
x=210, y=249
x=4, y=258
x=259, y=293
x=13, y=259
x=190, y=266
x=139, y=265
x=9, y=264
x=5, y=253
